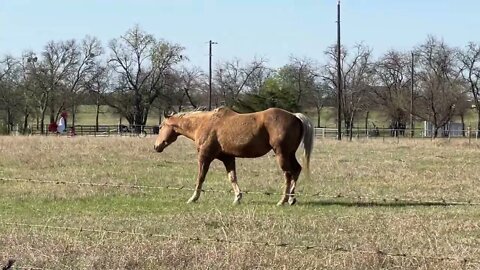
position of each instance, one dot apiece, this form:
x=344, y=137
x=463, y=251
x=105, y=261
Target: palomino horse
x=224, y=135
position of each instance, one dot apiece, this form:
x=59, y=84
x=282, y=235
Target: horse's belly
x=247, y=154
x=252, y=152
x=246, y=148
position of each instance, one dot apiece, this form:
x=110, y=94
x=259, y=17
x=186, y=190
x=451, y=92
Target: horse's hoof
x=292, y=201
x=191, y=200
x=280, y=203
x=236, y=202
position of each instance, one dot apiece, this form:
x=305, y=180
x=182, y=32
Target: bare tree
x=49, y=75
x=98, y=83
x=35, y=84
x=291, y=87
x=60, y=61
x=462, y=107
x=233, y=79
x=9, y=96
x=28, y=85
x=174, y=96
x=320, y=96
x=258, y=78
x=301, y=73
x=85, y=64
x=142, y=65
x=392, y=89
x=440, y=83
x=192, y=82
x=357, y=77
x=470, y=59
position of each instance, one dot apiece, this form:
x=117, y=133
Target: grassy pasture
x=419, y=169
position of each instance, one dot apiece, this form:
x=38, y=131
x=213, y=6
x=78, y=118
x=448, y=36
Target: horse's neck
x=188, y=125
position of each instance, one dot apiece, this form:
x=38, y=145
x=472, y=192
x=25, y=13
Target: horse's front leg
x=229, y=163
x=203, y=165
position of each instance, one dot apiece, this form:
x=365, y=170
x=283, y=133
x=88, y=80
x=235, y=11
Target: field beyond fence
x=112, y=202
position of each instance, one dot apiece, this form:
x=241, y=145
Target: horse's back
x=241, y=135
x=268, y=120
x=255, y=134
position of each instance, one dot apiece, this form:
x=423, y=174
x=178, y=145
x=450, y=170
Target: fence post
x=383, y=133
x=469, y=134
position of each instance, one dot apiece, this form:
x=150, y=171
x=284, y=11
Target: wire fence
x=383, y=132
x=311, y=246
x=304, y=246
x=319, y=132
x=90, y=130
x=353, y=199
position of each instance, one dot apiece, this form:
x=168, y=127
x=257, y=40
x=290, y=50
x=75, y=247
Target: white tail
x=307, y=140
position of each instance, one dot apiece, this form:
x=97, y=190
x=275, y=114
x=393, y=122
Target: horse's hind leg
x=296, y=169
x=287, y=173
x=203, y=165
x=229, y=163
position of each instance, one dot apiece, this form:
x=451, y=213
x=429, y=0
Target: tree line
x=138, y=74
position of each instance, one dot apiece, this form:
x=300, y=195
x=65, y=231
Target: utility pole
x=339, y=76
x=412, y=126
x=210, y=43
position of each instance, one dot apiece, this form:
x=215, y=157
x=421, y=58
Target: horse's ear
x=167, y=114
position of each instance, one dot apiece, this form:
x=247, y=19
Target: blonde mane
x=182, y=114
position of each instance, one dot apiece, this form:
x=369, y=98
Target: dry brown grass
x=406, y=169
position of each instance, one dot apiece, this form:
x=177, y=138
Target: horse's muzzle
x=158, y=148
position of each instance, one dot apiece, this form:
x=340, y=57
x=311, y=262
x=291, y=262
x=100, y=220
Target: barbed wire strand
x=27, y=267
x=464, y=260
x=358, y=199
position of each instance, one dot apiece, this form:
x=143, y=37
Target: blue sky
x=273, y=29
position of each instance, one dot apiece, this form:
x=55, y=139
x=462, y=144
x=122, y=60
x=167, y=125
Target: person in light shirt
x=61, y=125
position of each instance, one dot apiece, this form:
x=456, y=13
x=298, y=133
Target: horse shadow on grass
x=363, y=204
x=371, y=204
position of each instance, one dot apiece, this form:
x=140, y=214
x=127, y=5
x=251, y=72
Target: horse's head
x=166, y=135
